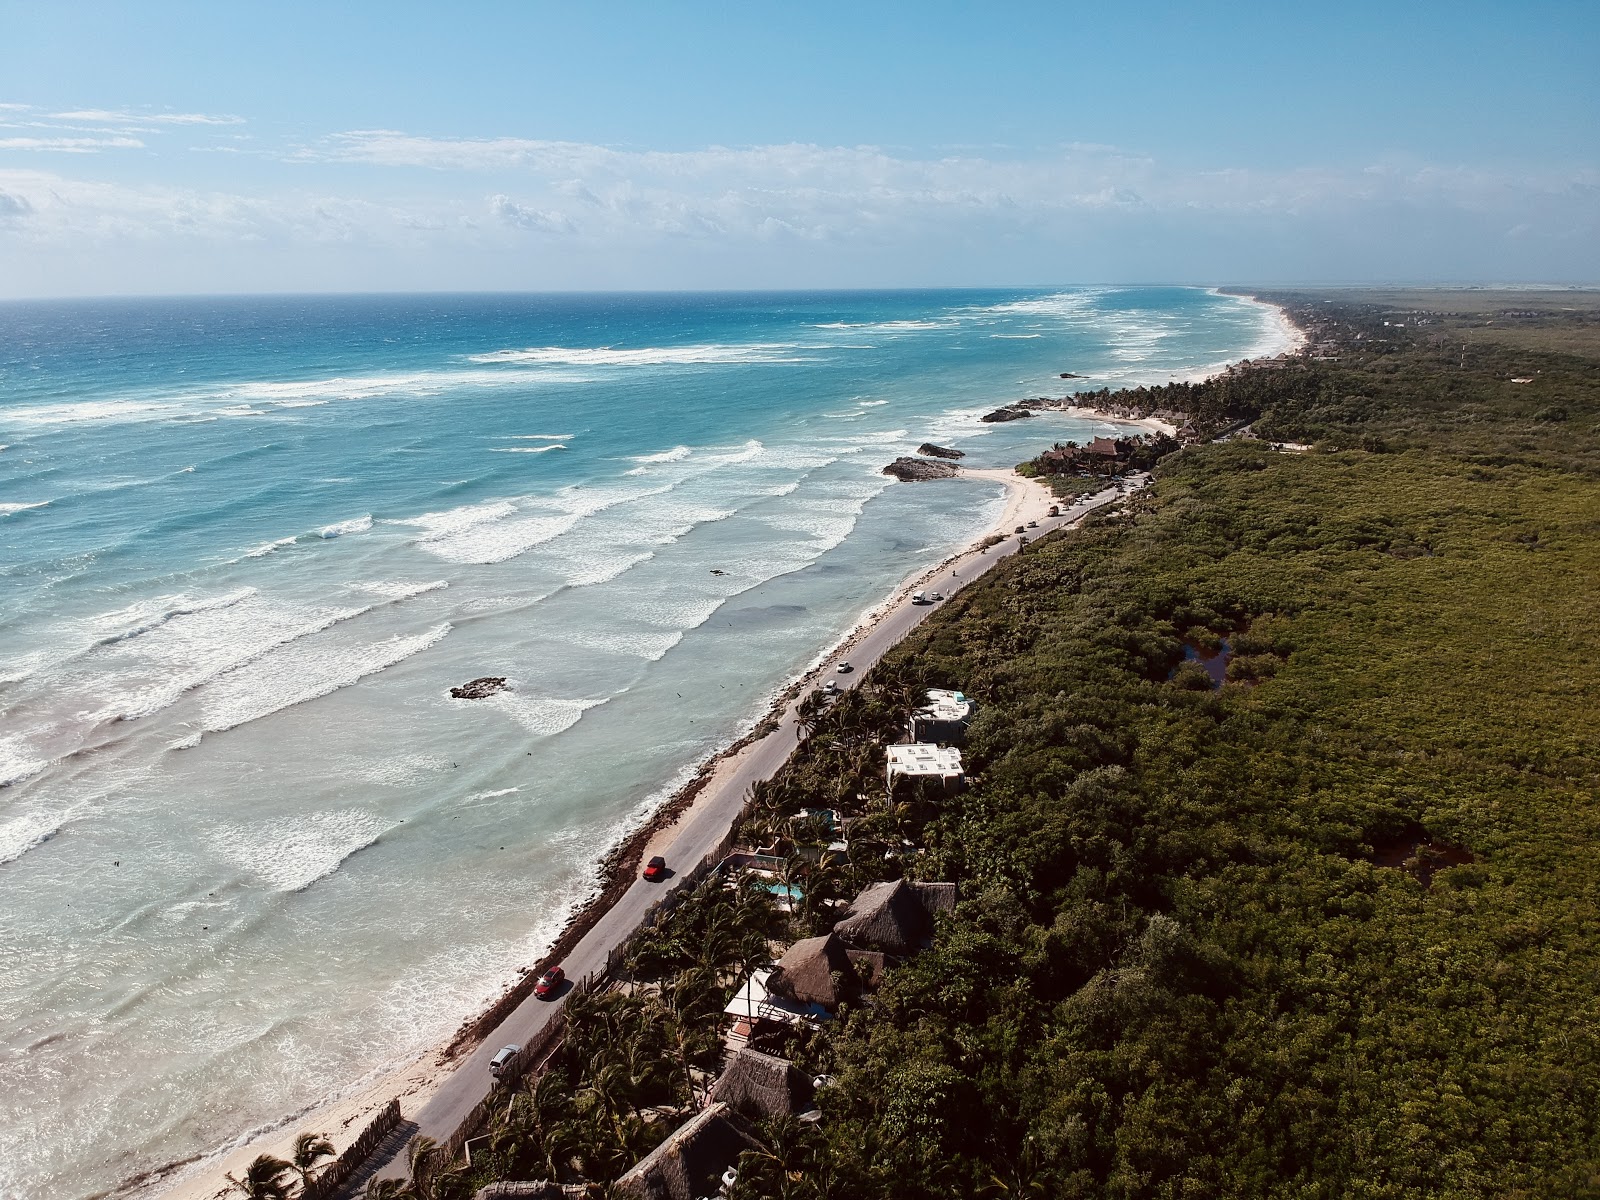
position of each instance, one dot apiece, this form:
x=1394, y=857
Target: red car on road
x=655, y=869
x=549, y=983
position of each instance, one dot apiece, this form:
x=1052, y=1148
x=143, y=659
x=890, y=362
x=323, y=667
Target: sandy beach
x=717, y=796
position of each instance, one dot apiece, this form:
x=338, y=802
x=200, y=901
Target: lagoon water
x=250, y=849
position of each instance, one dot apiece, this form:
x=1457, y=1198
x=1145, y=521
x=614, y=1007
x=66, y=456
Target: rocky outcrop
x=915, y=470
x=1010, y=412
x=933, y=451
x=477, y=689
x=1070, y=375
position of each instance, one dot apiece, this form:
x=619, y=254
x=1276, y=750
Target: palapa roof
x=814, y=971
x=895, y=917
x=690, y=1163
x=762, y=1086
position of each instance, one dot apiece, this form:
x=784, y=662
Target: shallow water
x=252, y=850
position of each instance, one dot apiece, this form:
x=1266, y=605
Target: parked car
x=549, y=983
x=935, y=596
x=655, y=869
x=844, y=668
x=502, y=1059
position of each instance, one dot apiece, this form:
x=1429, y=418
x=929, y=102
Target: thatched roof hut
x=815, y=971
x=896, y=917
x=690, y=1163
x=529, y=1190
x=761, y=1086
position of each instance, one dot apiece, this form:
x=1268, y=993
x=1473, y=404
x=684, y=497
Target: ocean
x=251, y=850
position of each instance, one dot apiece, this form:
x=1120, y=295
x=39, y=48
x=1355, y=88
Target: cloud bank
x=514, y=212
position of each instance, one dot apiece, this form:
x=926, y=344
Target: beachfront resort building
x=920, y=760
x=896, y=917
x=944, y=718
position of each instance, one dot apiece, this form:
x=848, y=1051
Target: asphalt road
x=699, y=831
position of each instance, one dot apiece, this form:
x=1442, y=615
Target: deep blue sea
x=250, y=849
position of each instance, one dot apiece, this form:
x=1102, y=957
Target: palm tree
x=263, y=1179
x=309, y=1150
x=384, y=1189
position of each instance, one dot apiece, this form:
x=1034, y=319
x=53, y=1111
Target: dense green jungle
x=1277, y=855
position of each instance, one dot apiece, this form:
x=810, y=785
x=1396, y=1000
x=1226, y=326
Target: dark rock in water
x=933, y=451
x=1010, y=412
x=487, y=685
x=1070, y=375
x=914, y=470
x=718, y=571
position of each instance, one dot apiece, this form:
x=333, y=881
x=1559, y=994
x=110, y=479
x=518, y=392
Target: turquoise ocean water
x=250, y=849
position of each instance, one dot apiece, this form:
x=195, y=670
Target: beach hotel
x=944, y=718
x=921, y=760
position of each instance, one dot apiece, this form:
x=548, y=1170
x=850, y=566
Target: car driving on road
x=655, y=869
x=549, y=983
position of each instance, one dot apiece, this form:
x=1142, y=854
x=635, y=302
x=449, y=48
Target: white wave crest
x=24, y=833
x=650, y=356
x=494, y=795
x=396, y=590
x=267, y=548
x=542, y=437
x=676, y=454
x=355, y=525
x=305, y=671
x=525, y=449
x=7, y=509
x=291, y=855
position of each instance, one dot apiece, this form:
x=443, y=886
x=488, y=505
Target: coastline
x=342, y=1116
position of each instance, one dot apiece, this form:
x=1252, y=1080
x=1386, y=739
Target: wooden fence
x=329, y=1180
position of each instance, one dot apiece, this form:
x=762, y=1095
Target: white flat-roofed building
x=943, y=718
x=923, y=760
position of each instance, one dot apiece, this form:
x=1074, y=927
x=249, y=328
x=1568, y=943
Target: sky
x=166, y=147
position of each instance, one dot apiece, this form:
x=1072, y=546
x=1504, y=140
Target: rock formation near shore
x=477, y=689
x=915, y=470
x=1010, y=412
x=933, y=451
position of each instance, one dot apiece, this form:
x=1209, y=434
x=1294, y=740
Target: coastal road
x=713, y=813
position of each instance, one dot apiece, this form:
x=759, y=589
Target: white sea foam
x=355, y=525
x=870, y=403
x=510, y=533
x=542, y=437
x=1016, y=337
x=649, y=356
x=676, y=454
x=18, y=760
x=166, y=608
x=494, y=795
x=291, y=854
x=543, y=716
x=305, y=671
x=23, y=833
x=396, y=590
x=267, y=548
x=7, y=509
x=524, y=449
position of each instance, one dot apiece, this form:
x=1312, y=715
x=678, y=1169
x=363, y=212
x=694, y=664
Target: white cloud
x=108, y=116
x=523, y=217
x=71, y=145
